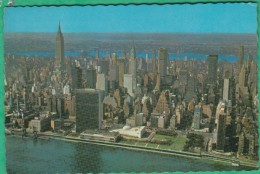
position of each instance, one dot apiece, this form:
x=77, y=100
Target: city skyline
x=135, y=18
x=166, y=93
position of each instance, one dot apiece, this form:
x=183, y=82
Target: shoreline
x=184, y=154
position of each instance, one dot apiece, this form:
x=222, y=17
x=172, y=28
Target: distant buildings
x=101, y=93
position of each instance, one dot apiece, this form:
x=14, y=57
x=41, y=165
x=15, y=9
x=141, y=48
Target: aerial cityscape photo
x=147, y=88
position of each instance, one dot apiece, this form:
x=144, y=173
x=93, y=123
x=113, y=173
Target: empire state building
x=59, y=51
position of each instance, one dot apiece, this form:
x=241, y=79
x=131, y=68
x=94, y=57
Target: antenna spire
x=59, y=29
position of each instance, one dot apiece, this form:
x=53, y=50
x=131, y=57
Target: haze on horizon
x=177, y=18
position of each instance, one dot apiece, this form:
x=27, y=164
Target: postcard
x=133, y=88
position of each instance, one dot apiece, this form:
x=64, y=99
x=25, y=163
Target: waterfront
x=54, y=156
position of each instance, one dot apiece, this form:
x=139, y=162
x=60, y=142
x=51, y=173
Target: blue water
x=229, y=58
x=55, y=156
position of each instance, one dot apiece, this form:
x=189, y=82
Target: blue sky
x=198, y=18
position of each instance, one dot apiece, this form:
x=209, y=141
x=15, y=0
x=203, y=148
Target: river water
x=172, y=56
x=56, y=156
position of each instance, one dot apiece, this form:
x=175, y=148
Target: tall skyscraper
x=97, y=54
x=226, y=89
x=76, y=76
x=102, y=82
x=212, y=61
x=154, y=61
x=89, y=109
x=91, y=76
x=59, y=54
x=240, y=57
x=129, y=83
x=197, y=117
x=221, y=129
x=121, y=71
x=132, y=62
x=242, y=76
x=162, y=62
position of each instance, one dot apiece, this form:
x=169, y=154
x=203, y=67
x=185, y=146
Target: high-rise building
x=70, y=106
x=221, y=129
x=59, y=51
x=226, y=86
x=104, y=66
x=197, y=117
x=162, y=62
x=76, y=75
x=132, y=62
x=97, y=54
x=60, y=107
x=102, y=82
x=163, y=105
x=242, y=76
x=129, y=83
x=212, y=61
x=226, y=90
x=89, y=109
x=154, y=61
x=113, y=72
x=91, y=76
x=121, y=71
x=240, y=57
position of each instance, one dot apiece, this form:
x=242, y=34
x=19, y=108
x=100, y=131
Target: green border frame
x=94, y=2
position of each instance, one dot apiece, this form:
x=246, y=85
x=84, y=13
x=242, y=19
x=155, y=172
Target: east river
x=56, y=156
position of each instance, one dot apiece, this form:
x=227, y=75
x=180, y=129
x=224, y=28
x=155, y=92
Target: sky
x=182, y=18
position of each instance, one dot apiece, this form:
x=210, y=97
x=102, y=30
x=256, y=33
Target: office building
x=102, y=83
x=197, y=117
x=162, y=62
x=59, y=49
x=240, y=57
x=132, y=62
x=212, y=61
x=129, y=83
x=154, y=62
x=91, y=76
x=89, y=109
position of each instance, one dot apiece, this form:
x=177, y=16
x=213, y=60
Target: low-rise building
x=132, y=132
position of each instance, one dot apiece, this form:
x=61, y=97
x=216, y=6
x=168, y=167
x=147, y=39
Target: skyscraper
x=129, y=83
x=132, y=62
x=59, y=54
x=91, y=78
x=226, y=89
x=154, y=61
x=121, y=71
x=240, y=57
x=197, y=117
x=221, y=129
x=102, y=82
x=162, y=62
x=76, y=75
x=212, y=61
x=89, y=109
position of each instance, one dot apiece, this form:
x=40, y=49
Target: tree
x=194, y=140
